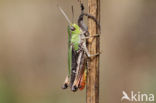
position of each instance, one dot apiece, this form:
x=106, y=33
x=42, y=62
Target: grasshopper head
x=74, y=29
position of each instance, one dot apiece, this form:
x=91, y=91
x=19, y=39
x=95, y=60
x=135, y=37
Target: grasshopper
x=78, y=54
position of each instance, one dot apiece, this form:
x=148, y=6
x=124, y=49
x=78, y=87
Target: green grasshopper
x=77, y=51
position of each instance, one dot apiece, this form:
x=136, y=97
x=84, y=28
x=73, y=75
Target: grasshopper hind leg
x=80, y=71
x=74, y=88
x=66, y=83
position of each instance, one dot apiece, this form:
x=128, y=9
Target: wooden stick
x=92, y=92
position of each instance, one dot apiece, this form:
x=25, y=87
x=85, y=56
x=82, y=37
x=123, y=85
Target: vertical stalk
x=92, y=92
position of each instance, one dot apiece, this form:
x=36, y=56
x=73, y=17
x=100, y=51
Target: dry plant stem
x=92, y=92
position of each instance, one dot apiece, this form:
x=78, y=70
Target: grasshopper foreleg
x=87, y=37
x=87, y=52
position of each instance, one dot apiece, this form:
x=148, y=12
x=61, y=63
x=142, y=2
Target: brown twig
x=92, y=93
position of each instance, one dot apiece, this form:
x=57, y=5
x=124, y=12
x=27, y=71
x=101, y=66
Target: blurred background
x=33, y=50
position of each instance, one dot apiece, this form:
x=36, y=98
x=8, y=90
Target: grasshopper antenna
x=72, y=14
x=64, y=14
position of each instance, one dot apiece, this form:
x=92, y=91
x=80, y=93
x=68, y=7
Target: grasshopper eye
x=72, y=28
